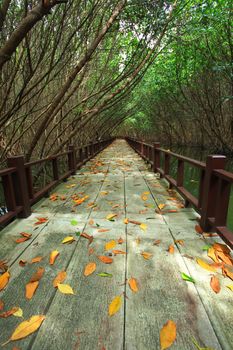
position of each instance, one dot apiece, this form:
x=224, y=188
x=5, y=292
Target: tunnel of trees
x=74, y=71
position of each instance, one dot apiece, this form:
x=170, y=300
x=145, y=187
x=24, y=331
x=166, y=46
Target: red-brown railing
x=18, y=181
x=213, y=198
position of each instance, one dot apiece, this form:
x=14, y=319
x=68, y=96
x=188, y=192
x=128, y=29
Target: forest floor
x=128, y=251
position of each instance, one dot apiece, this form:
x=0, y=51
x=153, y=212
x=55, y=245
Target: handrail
x=213, y=198
x=18, y=181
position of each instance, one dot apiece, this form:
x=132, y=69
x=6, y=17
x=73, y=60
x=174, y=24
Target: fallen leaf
x=205, y=265
x=85, y=235
x=187, y=278
x=215, y=284
x=74, y=222
x=199, y=229
x=37, y=275
x=230, y=286
x=110, y=245
x=90, y=251
x=126, y=221
x=3, y=265
x=18, y=312
x=179, y=241
x=212, y=255
x=115, y=305
x=138, y=240
x=146, y=255
x=22, y=263
x=161, y=206
x=143, y=227
x=68, y=239
x=225, y=271
x=9, y=312
x=26, y=328
x=120, y=240
x=61, y=276
x=1, y=305
x=91, y=222
x=104, y=274
x=89, y=269
x=167, y=334
x=31, y=288
x=36, y=259
x=134, y=222
x=221, y=248
x=25, y=234
x=224, y=257
x=21, y=239
x=105, y=259
x=171, y=249
x=41, y=221
x=157, y=242
x=133, y=284
x=144, y=197
x=103, y=230
x=65, y=288
x=117, y=252
x=4, y=279
x=111, y=216
x=53, y=256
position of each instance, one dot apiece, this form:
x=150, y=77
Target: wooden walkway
x=116, y=182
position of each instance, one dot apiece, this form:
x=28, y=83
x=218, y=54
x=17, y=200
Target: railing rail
x=214, y=190
x=18, y=180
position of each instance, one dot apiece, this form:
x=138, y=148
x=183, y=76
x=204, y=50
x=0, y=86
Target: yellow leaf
x=53, y=256
x=167, y=334
x=144, y=197
x=89, y=269
x=110, y=245
x=68, y=239
x=111, y=216
x=26, y=328
x=4, y=279
x=161, y=206
x=65, y=288
x=133, y=284
x=146, y=255
x=230, y=286
x=211, y=254
x=61, y=276
x=115, y=305
x=143, y=227
x=205, y=265
x=18, y=313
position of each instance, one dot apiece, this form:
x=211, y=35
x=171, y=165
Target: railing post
x=156, y=156
x=180, y=173
x=20, y=185
x=55, y=169
x=166, y=164
x=72, y=159
x=210, y=190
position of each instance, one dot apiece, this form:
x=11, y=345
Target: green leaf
x=104, y=274
x=206, y=247
x=187, y=278
x=97, y=225
x=74, y=222
x=78, y=233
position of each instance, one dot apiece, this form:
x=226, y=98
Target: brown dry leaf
x=36, y=259
x=115, y=305
x=25, y=234
x=85, y=235
x=1, y=305
x=134, y=222
x=117, y=252
x=171, y=249
x=227, y=272
x=146, y=255
x=37, y=275
x=224, y=257
x=120, y=240
x=103, y=230
x=110, y=245
x=205, y=265
x=31, y=287
x=61, y=276
x=9, y=312
x=157, y=242
x=53, y=256
x=89, y=269
x=26, y=328
x=3, y=265
x=4, y=279
x=215, y=284
x=179, y=241
x=199, y=229
x=21, y=239
x=105, y=259
x=133, y=284
x=167, y=334
x=22, y=263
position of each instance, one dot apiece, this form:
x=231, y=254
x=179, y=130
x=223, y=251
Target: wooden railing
x=213, y=198
x=18, y=180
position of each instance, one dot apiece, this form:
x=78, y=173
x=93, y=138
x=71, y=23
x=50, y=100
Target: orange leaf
x=146, y=255
x=31, y=288
x=25, y=234
x=120, y=240
x=227, y=272
x=36, y=259
x=91, y=222
x=116, y=252
x=89, y=269
x=221, y=248
x=134, y=222
x=105, y=259
x=224, y=257
x=171, y=249
x=215, y=284
x=54, y=254
x=133, y=284
x=37, y=275
x=9, y=312
x=41, y=221
x=179, y=241
x=4, y=279
x=103, y=230
x=126, y=221
x=1, y=305
x=61, y=276
x=110, y=245
x=21, y=239
x=198, y=229
x=167, y=334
